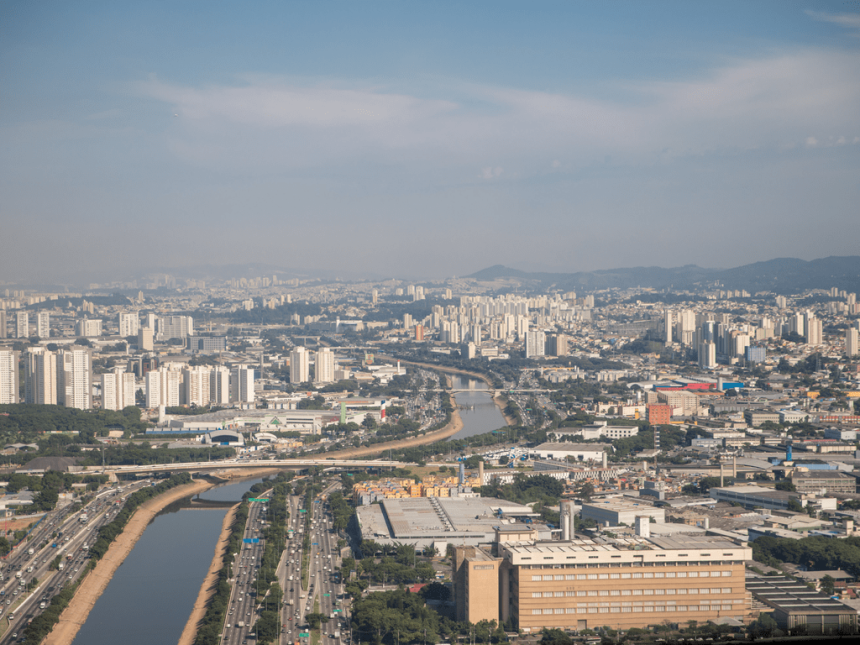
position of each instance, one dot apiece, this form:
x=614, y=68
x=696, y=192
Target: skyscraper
x=144, y=339
x=22, y=328
x=535, y=343
x=299, y=365
x=707, y=355
x=163, y=387
x=8, y=376
x=324, y=367
x=43, y=324
x=40, y=378
x=75, y=378
x=2, y=324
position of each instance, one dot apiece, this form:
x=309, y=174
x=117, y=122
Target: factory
x=439, y=521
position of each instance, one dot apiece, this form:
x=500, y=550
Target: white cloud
x=769, y=103
x=848, y=20
x=491, y=173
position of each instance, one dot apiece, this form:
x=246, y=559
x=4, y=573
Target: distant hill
x=780, y=275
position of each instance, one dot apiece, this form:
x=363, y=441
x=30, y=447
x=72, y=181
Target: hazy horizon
x=424, y=140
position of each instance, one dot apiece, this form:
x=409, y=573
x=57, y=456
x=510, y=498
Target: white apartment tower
x=299, y=365
x=219, y=386
x=8, y=376
x=43, y=324
x=129, y=324
x=40, y=378
x=162, y=387
x=144, y=339
x=75, y=378
x=118, y=390
x=852, y=341
x=242, y=385
x=535, y=343
x=707, y=355
x=2, y=324
x=324, y=367
x=195, y=386
x=22, y=328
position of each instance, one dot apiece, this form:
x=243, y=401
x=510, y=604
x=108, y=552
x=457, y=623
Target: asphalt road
x=72, y=535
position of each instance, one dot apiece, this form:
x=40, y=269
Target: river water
x=477, y=409
x=151, y=595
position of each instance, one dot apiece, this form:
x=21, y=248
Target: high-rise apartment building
x=219, y=386
x=118, y=390
x=374, y=296
x=40, y=377
x=324, y=366
x=175, y=327
x=22, y=326
x=707, y=355
x=129, y=324
x=299, y=365
x=535, y=343
x=2, y=324
x=242, y=385
x=852, y=342
x=163, y=387
x=813, y=331
x=88, y=328
x=195, y=386
x=43, y=324
x=8, y=376
x=75, y=378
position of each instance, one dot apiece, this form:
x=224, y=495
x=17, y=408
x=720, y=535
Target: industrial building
x=752, y=496
x=577, y=451
x=799, y=610
x=439, y=521
x=620, y=511
x=620, y=583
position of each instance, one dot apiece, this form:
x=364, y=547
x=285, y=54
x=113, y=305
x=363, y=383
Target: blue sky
x=425, y=139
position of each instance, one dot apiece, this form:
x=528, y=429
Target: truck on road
x=31, y=550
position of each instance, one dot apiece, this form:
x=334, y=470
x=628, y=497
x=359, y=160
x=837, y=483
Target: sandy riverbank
x=74, y=616
x=209, y=582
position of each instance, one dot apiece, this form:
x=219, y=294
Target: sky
x=424, y=139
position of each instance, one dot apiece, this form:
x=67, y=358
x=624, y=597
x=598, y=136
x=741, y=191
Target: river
x=151, y=595
x=477, y=410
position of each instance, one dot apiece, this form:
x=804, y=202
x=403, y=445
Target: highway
x=60, y=533
x=249, y=463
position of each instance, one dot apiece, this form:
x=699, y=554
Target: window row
x=632, y=592
x=622, y=610
x=634, y=575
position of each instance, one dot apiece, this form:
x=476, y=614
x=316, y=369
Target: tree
x=794, y=505
x=586, y=491
x=786, y=485
x=827, y=585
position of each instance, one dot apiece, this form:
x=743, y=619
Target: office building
x=207, y=344
x=40, y=377
x=324, y=366
x=299, y=365
x=129, y=324
x=619, y=583
x=43, y=324
x=118, y=390
x=163, y=387
x=8, y=376
x=195, y=386
x=145, y=339
x=75, y=378
x=219, y=386
x=22, y=326
x=242, y=385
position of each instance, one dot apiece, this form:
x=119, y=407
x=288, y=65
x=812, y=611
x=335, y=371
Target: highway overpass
x=248, y=463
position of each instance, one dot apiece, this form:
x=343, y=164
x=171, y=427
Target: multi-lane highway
x=59, y=534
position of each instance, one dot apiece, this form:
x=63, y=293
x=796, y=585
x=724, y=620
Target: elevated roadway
x=248, y=463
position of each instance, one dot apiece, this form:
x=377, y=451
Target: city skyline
x=426, y=140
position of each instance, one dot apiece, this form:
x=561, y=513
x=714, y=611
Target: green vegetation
x=525, y=490
x=27, y=423
x=817, y=553
x=44, y=622
x=399, y=564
